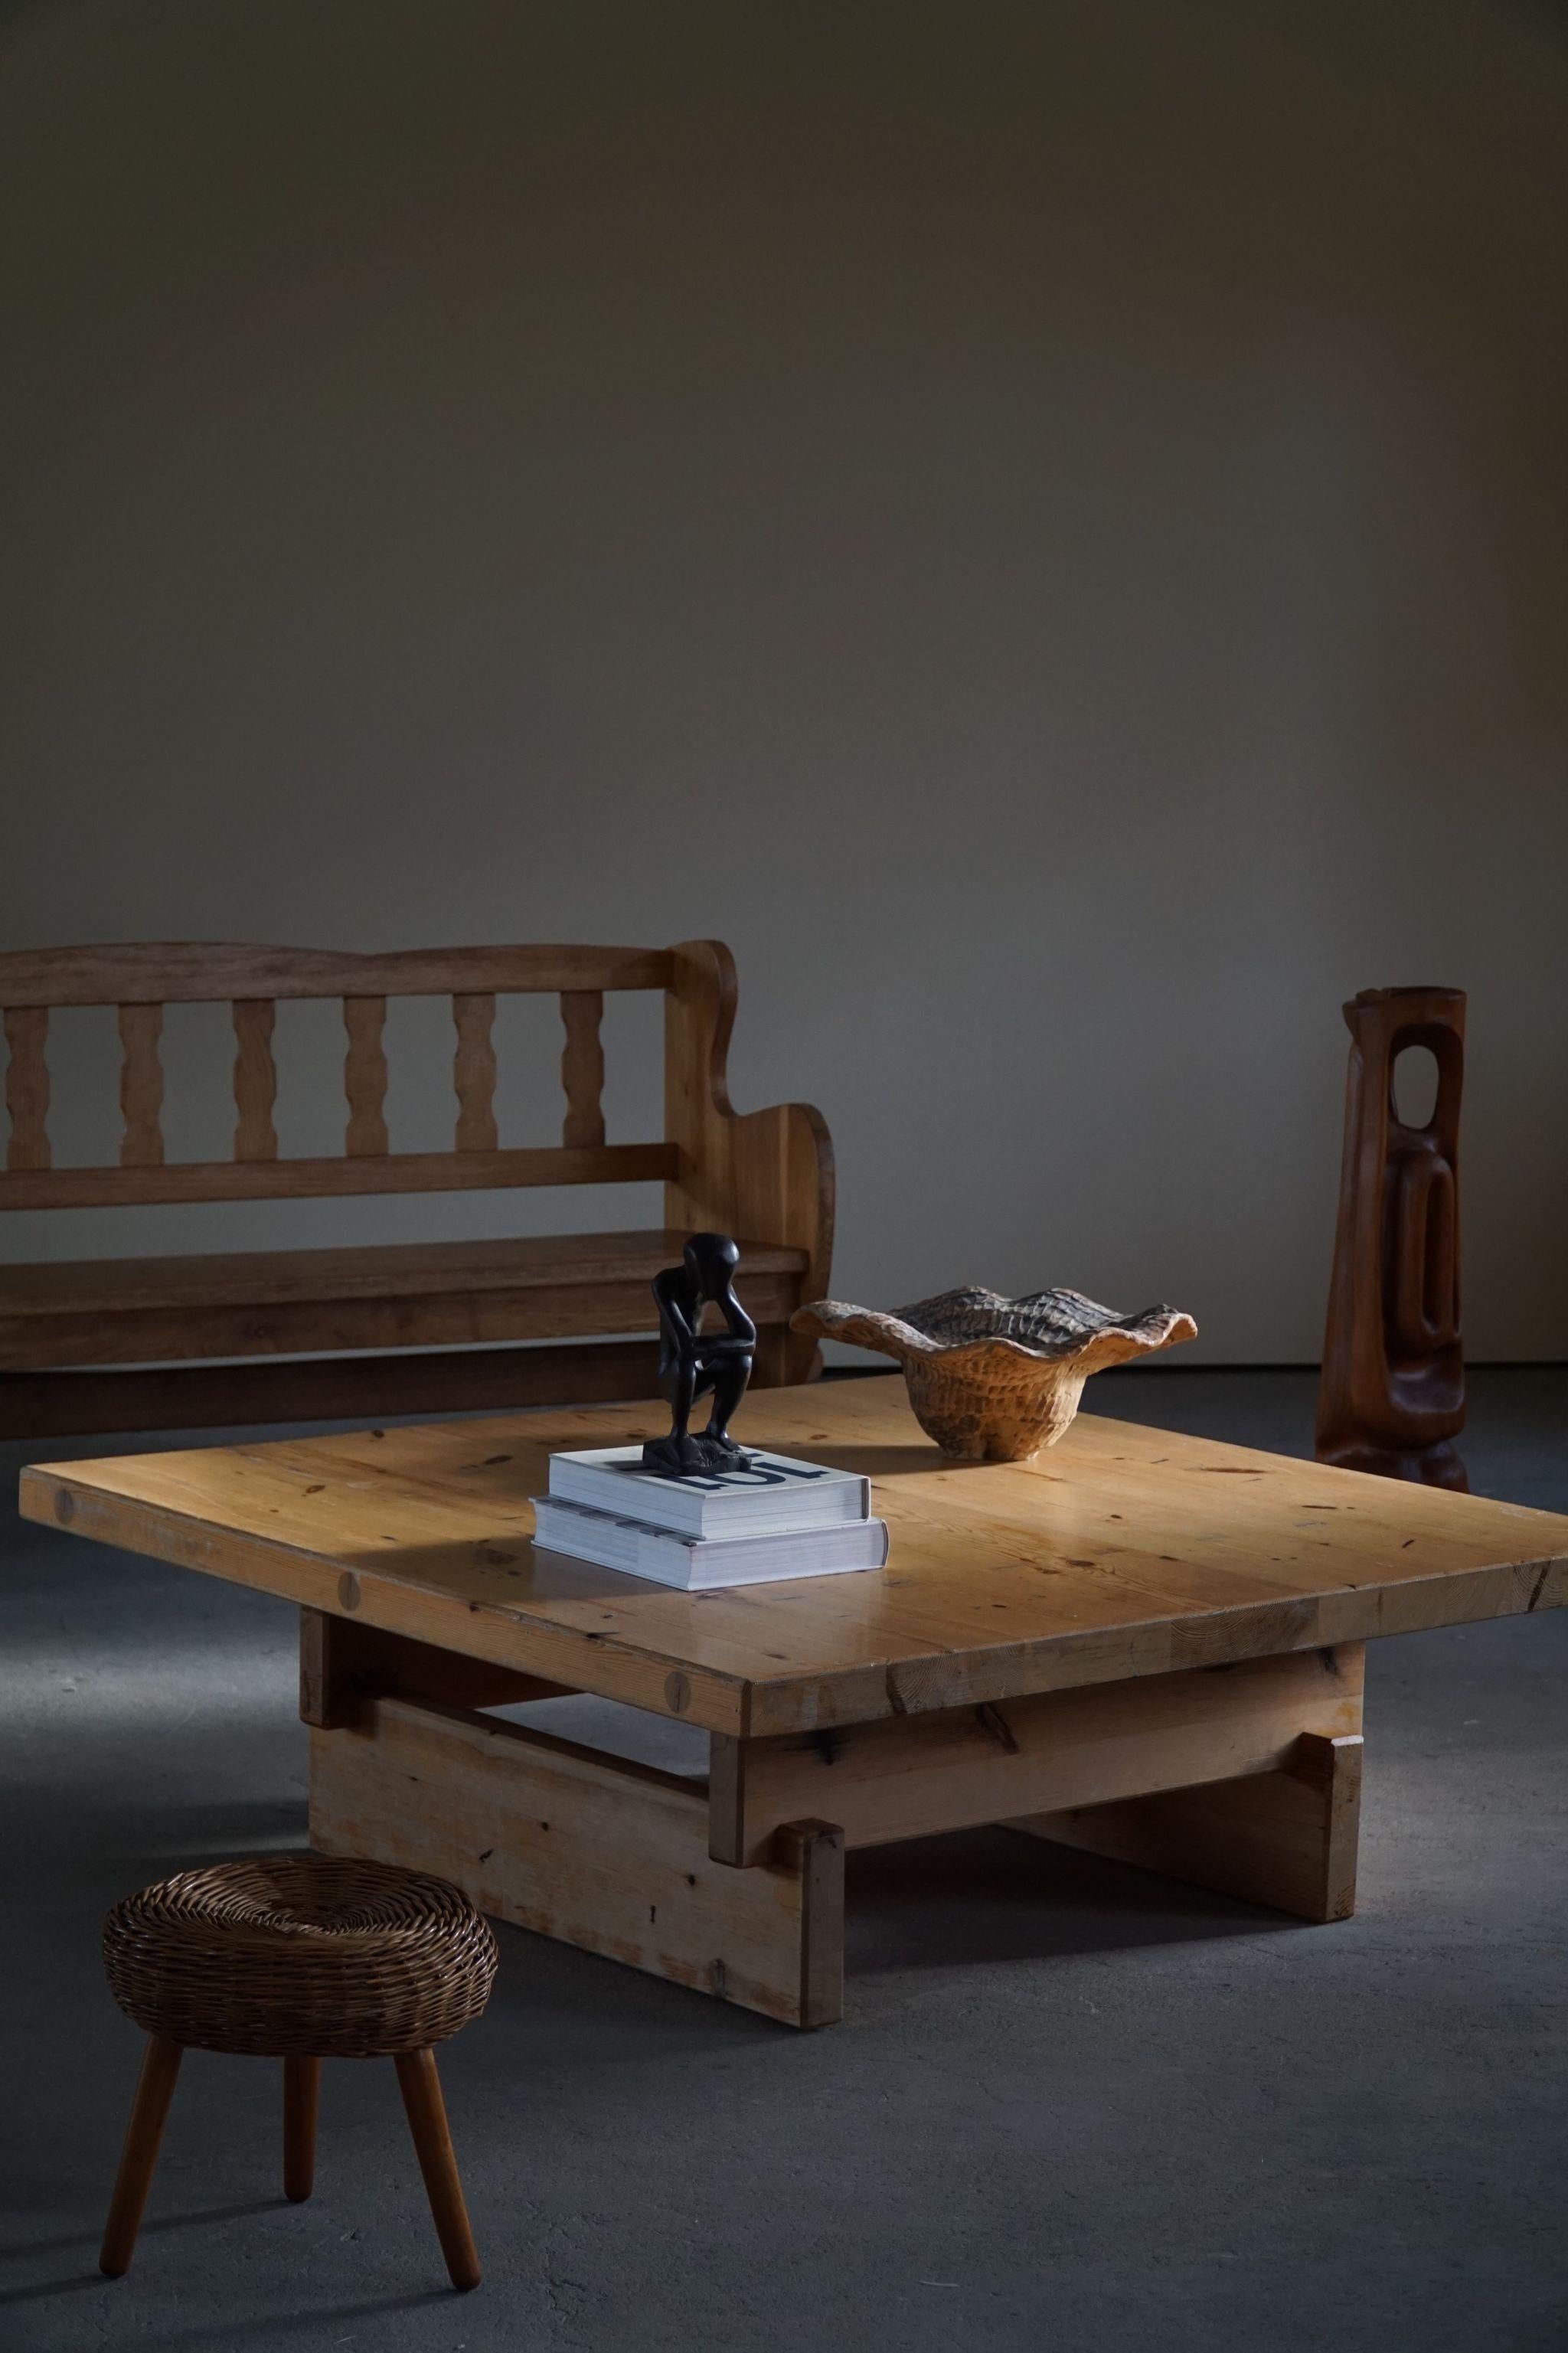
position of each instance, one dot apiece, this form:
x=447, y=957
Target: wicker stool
x=300, y=1958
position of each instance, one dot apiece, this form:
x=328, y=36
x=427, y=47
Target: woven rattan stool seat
x=300, y=1958
x=300, y=1954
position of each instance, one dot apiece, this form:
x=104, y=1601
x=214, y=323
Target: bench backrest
x=141, y=980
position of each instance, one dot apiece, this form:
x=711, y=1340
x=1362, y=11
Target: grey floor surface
x=1071, y=2107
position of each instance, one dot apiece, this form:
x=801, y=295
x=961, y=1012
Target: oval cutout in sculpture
x=994, y=1380
x=1415, y=1087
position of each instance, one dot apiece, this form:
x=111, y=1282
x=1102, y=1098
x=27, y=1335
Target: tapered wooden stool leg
x=154, y=2090
x=302, y=2093
x=421, y=2088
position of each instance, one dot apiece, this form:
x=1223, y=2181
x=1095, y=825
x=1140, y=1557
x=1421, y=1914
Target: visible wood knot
x=348, y=1590
x=678, y=1692
x=65, y=1507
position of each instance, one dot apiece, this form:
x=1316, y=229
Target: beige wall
x=1043, y=524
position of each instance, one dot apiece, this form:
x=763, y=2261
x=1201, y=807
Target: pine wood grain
x=601, y=1852
x=402, y=1296
x=1135, y=1553
x=49, y=1405
x=364, y=1077
x=396, y=1172
x=768, y=1172
x=255, y=1079
x=910, y=1776
x=548, y=1263
x=140, y=1086
x=27, y=1088
x=773, y=1163
x=344, y=1666
x=583, y=1066
x=198, y=972
x=474, y=1071
x=1287, y=1839
x=816, y=1851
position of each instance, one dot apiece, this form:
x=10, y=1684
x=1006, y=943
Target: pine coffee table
x=1146, y=1645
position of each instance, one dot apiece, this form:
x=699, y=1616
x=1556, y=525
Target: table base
x=1243, y=1778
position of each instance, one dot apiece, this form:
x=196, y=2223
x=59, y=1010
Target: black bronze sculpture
x=692, y=1362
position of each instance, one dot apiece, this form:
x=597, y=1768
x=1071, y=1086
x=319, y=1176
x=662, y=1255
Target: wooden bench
x=457, y=1314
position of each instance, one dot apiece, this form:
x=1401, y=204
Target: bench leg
x=1286, y=1839
x=144, y=2138
x=421, y=2088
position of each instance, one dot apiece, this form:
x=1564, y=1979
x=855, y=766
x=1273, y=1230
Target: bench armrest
x=764, y=1176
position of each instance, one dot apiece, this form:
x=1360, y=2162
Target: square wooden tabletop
x=1123, y=1551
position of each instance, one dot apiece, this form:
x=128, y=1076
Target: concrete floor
x=1071, y=2106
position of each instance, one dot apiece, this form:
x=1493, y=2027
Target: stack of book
x=777, y=1518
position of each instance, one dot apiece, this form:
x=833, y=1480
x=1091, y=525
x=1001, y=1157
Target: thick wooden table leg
x=1287, y=1839
x=301, y=2095
x=144, y=2138
x=589, y=1848
x=421, y=2088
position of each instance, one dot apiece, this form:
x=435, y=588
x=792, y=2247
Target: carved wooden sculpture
x=694, y=1364
x=1391, y=1398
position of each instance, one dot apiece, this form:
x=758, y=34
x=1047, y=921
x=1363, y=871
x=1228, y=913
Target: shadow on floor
x=991, y=1895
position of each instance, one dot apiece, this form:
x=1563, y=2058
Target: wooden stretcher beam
x=912, y=1776
x=1286, y=1839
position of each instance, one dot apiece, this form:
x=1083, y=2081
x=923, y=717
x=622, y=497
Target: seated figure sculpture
x=692, y=1363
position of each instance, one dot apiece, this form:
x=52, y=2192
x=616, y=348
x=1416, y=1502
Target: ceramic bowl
x=994, y=1380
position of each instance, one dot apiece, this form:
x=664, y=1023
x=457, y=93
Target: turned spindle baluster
x=364, y=1076
x=255, y=1079
x=766, y=1176
x=583, y=1066
x=27, y=1086
x=140, y=1086
x=474, y=1072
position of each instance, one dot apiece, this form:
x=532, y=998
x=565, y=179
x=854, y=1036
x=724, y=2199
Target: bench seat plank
x=68, y=1286
x=150, y=1309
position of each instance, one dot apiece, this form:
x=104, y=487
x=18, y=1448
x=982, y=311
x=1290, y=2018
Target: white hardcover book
x=702, y=1563
x=775, y=1496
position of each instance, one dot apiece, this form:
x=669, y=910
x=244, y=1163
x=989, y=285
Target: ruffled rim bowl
x=995, y=1379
